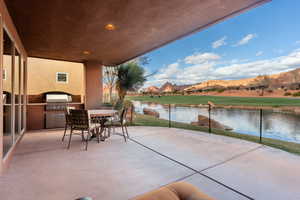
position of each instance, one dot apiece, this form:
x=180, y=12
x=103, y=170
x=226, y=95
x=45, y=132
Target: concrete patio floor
x=224, y=168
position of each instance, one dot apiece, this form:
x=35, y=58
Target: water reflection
x=283, y=126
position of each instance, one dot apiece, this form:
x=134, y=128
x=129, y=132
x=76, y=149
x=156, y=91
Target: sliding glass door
x=13, y=94
x=7, y=78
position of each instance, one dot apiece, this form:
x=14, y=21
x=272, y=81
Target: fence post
x=260, y=125
x=131, y=116
x=169, y=115
x=209, y=121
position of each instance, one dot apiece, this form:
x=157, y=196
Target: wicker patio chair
x=119, y=121
x=80, y=122
x=68, y=122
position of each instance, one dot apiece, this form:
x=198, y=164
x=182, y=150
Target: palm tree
x=131, y=76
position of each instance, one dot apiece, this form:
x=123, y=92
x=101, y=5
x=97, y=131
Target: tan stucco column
x=93, y=85
x=1, y=102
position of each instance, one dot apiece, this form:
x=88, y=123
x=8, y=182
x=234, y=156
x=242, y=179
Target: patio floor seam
x=185, y=177
x=196, y=171
x=232, y=158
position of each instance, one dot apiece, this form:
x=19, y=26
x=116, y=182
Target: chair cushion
x=175, y=191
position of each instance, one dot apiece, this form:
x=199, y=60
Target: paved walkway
x=224, y=168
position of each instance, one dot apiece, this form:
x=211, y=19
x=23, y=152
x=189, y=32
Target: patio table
x=101, y=116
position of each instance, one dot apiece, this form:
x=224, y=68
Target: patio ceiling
x=75, y=30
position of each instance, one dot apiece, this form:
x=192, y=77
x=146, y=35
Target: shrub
x=118, y=105
x=296, y=94
x=220, y=90
x=287, y=94
x=270, y=91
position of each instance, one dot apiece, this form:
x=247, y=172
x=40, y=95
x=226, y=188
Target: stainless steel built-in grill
x=58, y=98
x=55, y=108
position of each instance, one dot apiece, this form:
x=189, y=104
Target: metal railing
x=213, y=120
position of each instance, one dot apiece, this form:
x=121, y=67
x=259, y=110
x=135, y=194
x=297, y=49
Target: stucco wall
x=42, y=76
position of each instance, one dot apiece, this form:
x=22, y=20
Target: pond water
x=277, y=125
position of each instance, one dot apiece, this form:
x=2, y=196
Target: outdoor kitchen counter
x=43, y=104
x=36, y=115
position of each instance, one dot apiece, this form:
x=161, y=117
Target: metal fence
x=260, y=123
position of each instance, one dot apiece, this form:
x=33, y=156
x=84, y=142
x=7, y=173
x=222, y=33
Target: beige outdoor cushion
x=175, y=191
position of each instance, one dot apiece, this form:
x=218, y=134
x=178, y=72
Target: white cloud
x=259, y=53
x=199, y=58
x=297, y=42
x=235, y=69
x=168, y=72
x=219, y=43
x=269, y=66
x=245, y=40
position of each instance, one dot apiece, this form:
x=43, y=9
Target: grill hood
x=58, y=98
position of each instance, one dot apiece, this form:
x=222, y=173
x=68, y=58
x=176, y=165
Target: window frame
x=67, y=77
x=4, y=74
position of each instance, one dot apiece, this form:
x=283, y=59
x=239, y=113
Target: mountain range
x=284, y=79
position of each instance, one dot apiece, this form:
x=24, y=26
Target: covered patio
x=223, y=167
x=95, y=34
x=36, y=165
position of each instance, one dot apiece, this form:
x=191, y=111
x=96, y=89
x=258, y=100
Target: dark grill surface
x=56, y=107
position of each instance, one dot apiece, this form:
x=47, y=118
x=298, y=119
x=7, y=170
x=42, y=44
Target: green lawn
x=145, y=120
x=220, y=100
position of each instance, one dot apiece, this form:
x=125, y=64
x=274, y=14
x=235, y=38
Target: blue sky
x=264, y=40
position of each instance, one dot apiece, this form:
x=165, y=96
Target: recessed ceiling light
x=86, y=52
x=110, y=27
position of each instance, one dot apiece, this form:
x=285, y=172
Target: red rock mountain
x=152, y=89
x=273, y=81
